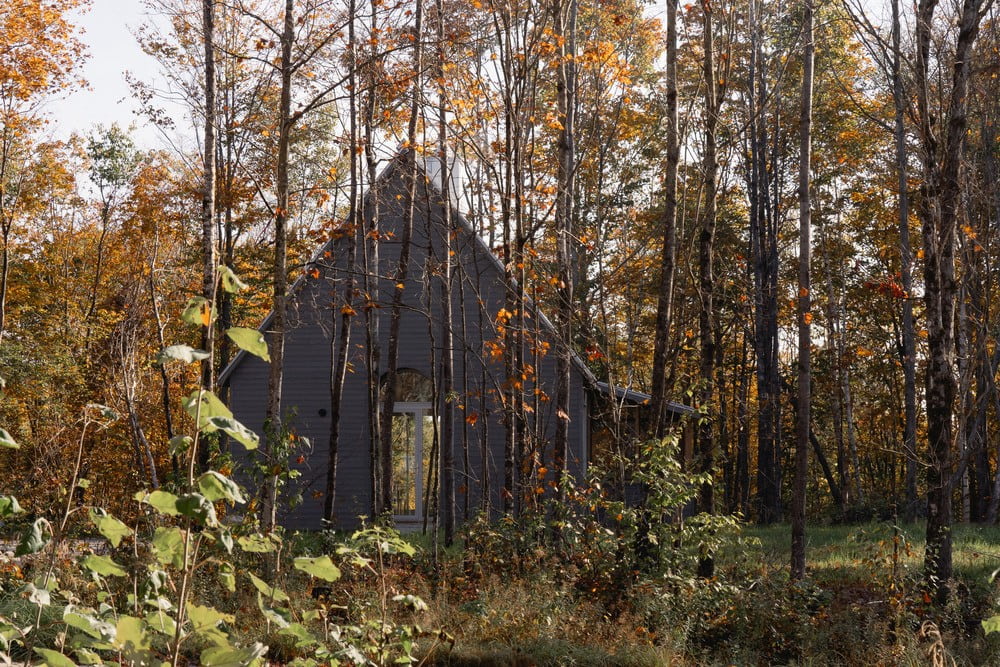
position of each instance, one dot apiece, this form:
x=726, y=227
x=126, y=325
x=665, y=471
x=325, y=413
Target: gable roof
x=392, y=170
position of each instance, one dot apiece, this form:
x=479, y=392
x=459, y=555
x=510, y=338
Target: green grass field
x=837, y=551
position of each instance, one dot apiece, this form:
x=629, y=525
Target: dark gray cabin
x=478, y=295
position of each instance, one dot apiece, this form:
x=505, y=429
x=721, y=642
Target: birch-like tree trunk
x=798, y=565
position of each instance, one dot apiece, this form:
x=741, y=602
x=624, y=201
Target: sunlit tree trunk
x=798, y=566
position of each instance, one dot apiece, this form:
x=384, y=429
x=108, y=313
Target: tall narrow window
x=412, y=442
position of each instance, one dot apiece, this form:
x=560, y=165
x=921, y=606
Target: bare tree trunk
x=208, y=201
x=664, y=297
x=368, y=243
x=942, y=162
x=706, y=282
x=402, y=267
x=798, y=565
x=279, y=278
x=447, y=338
x=565, y=29
x=905, y=271
x=340, y=338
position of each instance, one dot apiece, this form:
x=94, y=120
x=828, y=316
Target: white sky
x=107, y=32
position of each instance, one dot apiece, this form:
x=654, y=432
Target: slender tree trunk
x=341, y=318
x=368, y=243
x=565, y=29
x=447, y=338
x=208, y=201
x=798, y=565
x=905, y=271
x=706, y=283
x=276, y=343
x=402, y=267
x=664, y=297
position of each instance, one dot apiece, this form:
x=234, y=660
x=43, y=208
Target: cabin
x=481, y=424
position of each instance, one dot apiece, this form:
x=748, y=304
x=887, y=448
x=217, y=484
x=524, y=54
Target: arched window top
x=413, y=386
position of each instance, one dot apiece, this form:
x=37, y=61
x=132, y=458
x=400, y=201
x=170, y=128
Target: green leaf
x=84, y=656
x=271, y=592
x=163, y=502
x=257, y=543
x=991, y=624
x=250, y=340
x=39, y=596
x=103, y=565
x=184, y=353
x=9, y=506
x=210, y=407
x=54, y=658
x=104, y=411
x=206, y=618
x=132, y=639
x=7, y=440
x=168, y=546
x=227, y=575
x=108, y=526
x=300, y=634
x=161, y=622
x=179, y=444
x=197, y=507
x=34, y=538
x=321, y=568
x=228, y=656
x=272, y=615
x=198, y=311
x=216, y=486
x=81, y=619
x=235, y=430
x=230, y=281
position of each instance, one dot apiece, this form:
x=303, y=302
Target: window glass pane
x=413, y=387
x=404, y=478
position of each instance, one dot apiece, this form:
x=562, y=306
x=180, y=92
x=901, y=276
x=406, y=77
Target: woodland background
x=784, y=215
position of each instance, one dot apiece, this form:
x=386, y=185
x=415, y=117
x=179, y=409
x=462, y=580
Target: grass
x=841, y=550
x=862, y=604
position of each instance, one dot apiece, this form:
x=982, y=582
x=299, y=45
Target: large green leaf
x=54, y=658
x=161, y=622
x=257, y=543
x=132, y=639
x=203, y=405
x=227, y=575
x=168, y=546
x=163, y=502
x=198, y=311
x=205, y=619
x=197, y=507
x=230, y=281
x=229, y=656
x=991, y=624
x=250, y=340
x=9, y=507
x=184, y=353
x=34, y=538
x=235, y=430
x=108, y=526
x=85, y=620
x=216, y=486
x=271, y=592
x=7, y=440
x=103, y=565
x=321, y=567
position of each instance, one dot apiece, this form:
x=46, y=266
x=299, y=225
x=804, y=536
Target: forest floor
x=861, y=604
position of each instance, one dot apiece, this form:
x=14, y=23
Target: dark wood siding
x=479, y=286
